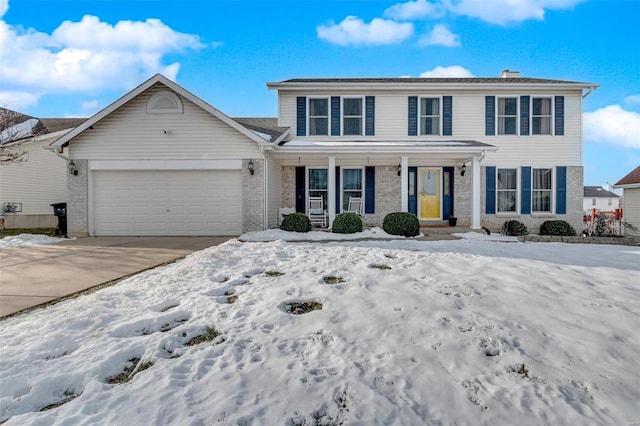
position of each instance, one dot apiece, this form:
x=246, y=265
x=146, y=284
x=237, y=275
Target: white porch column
x=475, y=193
x=331, y=190
x=404, y=183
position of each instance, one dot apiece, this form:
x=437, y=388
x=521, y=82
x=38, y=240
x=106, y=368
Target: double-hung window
x=507, y=190
x=352, y=185
x=352, y=116
x=318, y=116
x=541, y=190
x=541, y=116
x=507, y=116
x=318, y=184
x=429, y=116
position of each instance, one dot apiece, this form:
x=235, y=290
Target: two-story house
x=599, y=198
x=485, y=150
x=161, y=161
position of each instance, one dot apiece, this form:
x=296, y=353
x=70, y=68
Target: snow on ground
x=278, y=234
x=465, y=332
x=22, y=240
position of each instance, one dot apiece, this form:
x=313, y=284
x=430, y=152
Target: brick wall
x=575, y=185
x=253, y=196
x=78, y=204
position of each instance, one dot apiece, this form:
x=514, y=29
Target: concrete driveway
x=30, y=276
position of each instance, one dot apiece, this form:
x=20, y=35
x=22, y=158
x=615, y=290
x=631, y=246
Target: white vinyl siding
x=468, y=124
x=35, y=183
x=132, y=133
x=632, y=210
x=167, y=202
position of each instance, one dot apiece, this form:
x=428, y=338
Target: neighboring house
x=630, y=185
x=38, y=178
x=596, y=197
x=160, y=161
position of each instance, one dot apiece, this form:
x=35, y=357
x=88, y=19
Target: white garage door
x=168, y=202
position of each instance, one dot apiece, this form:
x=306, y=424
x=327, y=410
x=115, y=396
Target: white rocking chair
x=316, y=212
x=355, y=206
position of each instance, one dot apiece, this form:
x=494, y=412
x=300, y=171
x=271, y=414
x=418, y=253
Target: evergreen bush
x=296, y=222
x=514, y=228
x=347, y=223
x=401, y=223
x=557, y=227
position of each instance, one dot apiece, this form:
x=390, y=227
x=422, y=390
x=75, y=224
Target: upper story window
x=352, y=116
x=507, y=116
x=164, y=102
x=524, y=115
x=429, y=116
x=318, y=116
x=541, y=116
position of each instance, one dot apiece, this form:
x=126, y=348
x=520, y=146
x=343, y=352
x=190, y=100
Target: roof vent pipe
x=510, y=74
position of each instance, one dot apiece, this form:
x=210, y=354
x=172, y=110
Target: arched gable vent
x=164, y=102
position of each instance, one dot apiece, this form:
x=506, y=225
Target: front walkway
x=36, y=275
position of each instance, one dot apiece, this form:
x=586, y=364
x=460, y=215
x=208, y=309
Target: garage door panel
x=173, y=202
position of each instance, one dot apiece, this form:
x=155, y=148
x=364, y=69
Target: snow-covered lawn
x=463, y=332
x=22, y=240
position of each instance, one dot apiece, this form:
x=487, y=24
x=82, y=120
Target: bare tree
x=15, y=130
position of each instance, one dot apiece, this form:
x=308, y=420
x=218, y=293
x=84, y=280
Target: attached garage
x=167, y=202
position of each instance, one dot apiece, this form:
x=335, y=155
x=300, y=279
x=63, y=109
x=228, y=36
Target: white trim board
x=231, y=164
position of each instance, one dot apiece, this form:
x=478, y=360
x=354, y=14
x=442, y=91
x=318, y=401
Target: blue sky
x=71, y=58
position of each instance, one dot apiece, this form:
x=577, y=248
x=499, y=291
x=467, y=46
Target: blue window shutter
x=559, y=101
x=301, y=116
x=525, y=192
x=524, y=115
x=413, y=116
x=370, y=116
x=490, y=116
x=338, y=190
x=561, y=190
x=300, y=190
x=490, y=204
x=335, y=116
x=412, y=206
x=447, y=115
x=370, y=189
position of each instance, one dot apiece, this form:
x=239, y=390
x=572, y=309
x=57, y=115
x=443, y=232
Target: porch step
x=444, y=229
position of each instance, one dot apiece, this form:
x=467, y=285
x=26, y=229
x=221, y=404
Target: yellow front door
x=429, y=194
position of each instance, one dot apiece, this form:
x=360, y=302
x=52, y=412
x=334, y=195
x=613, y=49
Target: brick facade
x=575, y=183
x=253, y=201
x=78, y=203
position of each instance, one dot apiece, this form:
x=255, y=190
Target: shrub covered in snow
x=401, y=223
x=514, y=228
x=557, y=227
x=296, y=222
x=347, y=223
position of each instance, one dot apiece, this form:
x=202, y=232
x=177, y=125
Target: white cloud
x=632, y=100
x=503, y=12
x=4, y=6
x=87, y=55
x=354, y=31
x=418, y=9
x=440, y=36
x=453, y=71
x=613, y=125
x=18, y=101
